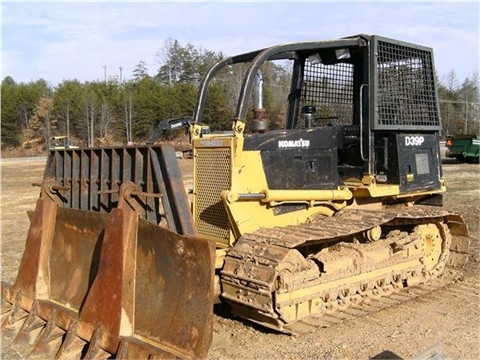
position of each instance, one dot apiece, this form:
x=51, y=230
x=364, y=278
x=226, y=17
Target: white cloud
x=60, y=40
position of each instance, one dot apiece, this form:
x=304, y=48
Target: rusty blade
x=57, y=268
x=74, y=255
x=151, y=284
x=174, y=290
x=60, y=257
x=104, y=282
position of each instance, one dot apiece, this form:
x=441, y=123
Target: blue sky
x=68, y=40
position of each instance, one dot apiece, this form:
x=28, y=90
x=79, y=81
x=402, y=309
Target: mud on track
x=398, y=328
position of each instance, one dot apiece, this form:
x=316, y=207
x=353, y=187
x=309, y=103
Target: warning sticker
x=421, y=161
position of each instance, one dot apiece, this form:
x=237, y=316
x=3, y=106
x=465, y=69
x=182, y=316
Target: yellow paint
x=249, y=204
x=294, y=296
x=250, y=215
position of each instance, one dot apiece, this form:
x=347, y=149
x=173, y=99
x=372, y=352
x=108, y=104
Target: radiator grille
x=212, y=177
x=330, y=89
x=406, y=96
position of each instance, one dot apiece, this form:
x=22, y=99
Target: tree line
x=118, y=112
x=460, y=104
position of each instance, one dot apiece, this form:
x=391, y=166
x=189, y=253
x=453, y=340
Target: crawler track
x=298, y=278
x=446, y=283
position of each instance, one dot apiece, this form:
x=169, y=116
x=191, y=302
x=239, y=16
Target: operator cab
x=361, y=109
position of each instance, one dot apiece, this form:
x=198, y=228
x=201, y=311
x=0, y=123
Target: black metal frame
x=410, y=104
x=386, y=85
x=256, y=60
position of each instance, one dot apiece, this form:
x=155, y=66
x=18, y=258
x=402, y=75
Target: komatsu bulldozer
x=342, y=203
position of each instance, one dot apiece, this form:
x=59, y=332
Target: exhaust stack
x=259, y=124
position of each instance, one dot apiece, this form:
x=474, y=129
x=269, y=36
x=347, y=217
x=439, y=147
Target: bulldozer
x=341, y=204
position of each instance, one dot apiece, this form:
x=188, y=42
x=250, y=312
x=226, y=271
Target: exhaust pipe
x=259, y=124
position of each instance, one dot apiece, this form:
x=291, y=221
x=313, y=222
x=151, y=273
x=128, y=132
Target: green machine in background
x=463, y=147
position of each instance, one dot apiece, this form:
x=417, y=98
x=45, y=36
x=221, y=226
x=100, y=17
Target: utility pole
x=105, y=72
x=169, y=75
x=121, y=68
x=67, y=119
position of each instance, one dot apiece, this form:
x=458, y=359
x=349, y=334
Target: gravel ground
x=446, y=318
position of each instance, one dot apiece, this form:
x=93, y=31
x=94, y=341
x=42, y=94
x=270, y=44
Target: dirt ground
x=448, y=318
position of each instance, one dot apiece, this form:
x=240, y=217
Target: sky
x=62, y=40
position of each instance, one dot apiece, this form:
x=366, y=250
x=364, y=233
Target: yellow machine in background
x=61, y=142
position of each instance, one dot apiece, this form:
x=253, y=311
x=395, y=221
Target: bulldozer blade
x=165, y=293
x=57, y=269
x=97, y=285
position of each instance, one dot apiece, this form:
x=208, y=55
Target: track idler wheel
x=435, y=239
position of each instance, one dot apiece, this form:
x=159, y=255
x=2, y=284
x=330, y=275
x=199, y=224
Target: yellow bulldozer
x=342, y=204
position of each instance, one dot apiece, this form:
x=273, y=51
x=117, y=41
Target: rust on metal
x=99, y=277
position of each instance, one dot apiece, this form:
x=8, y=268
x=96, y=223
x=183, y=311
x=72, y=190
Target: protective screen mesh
x=330, y=89
x=406, y=95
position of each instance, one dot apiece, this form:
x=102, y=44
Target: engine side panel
x=298, y=159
